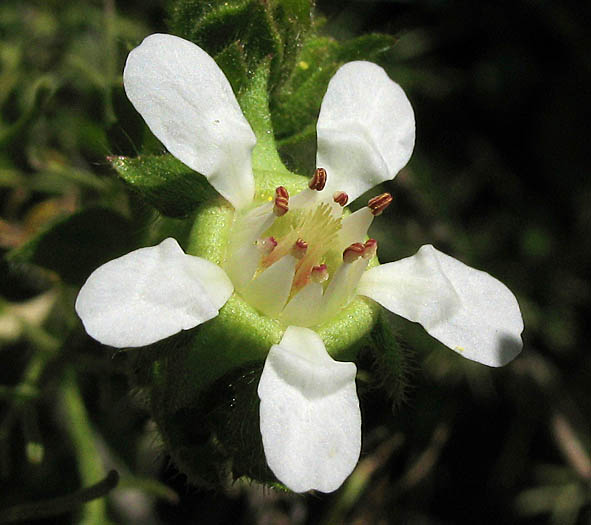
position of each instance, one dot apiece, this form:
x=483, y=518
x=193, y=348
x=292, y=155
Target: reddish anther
x=281, y=204
x=379, y=203
x=341, y=198
x=318, y=180
x=280, y=191
x=353, y=252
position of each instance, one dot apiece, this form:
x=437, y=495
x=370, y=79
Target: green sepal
x=75, y=245
x=390, y=368
x=164, y=182
x=268, y=168
x=296, y=104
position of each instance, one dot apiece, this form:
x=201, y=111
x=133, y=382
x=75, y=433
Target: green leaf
x=129, y=135
x=294, y=20
x=296, y=105
x=262, y=29
x=215, y=25
x=164, y=182
x=39, y=94
x=367, y=47
x=75, y=245
x=232, y=61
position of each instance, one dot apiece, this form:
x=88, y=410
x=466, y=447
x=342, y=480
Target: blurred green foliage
x=497, y=180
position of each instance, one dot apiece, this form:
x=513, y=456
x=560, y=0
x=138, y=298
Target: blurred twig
x=56, y=506
x=358, y=481
x=82, y=436
x=561, y=405
x=570, y=446
x=423, y=465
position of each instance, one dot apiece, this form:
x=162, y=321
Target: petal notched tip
x=366, y=129
x=311, y=379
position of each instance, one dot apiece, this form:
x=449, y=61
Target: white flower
x=296, y=259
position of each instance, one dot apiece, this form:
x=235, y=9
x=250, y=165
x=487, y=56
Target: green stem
x=27, y=385
x=90, y=467
x=18, y=393
x=57, y=506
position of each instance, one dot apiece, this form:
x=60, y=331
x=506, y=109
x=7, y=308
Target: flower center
x=318, y=226
x=298, y=259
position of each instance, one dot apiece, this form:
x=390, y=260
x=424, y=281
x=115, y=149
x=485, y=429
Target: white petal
x=242, y=264
x=304, y=308
x=189, y=105
x=304, y=199
x=471, y=312
x=243, y=255
x=341, y=288
x=269, y=291
x=150, y=294
x=366, y=129
x=415, y=288
x=309, y=414
x=354, y=227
